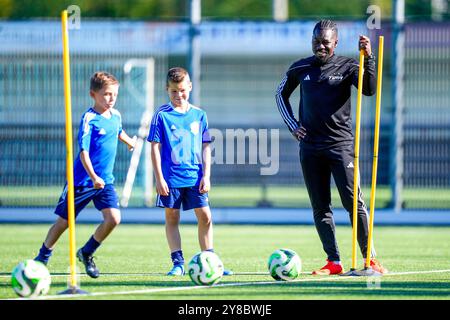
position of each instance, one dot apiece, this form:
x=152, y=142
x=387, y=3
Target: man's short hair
x=325, y=25
x=176, y=75
x=101, y=79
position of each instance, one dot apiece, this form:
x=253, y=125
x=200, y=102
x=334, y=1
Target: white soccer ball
x=205, y=268
x=284, y=264
x=30, y=279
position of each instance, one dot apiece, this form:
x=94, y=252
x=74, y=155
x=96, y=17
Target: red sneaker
x=376, y=266
x=329, y=269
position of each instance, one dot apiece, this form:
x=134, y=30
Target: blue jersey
x=181, y=136
x=98, y=136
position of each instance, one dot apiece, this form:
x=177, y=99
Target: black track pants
x=317, y=167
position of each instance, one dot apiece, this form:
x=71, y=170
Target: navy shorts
x=102, y=198
x=189, y=197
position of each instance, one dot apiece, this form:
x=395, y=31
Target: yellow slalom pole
x=375, y=150
x=356, y=159
x=69, y=154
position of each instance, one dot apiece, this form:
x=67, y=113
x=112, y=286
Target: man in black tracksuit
x=325, y=133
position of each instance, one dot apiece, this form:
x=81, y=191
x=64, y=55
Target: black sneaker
x=177, y=270
x=89, y=264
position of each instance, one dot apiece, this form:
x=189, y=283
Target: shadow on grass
x=130, y=274
x=290, y=291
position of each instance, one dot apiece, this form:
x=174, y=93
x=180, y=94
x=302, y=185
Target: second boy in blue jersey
x=181, y=158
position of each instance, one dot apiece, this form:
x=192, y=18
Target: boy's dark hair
x=101, y=79
x=176, y=75
x=326, y=24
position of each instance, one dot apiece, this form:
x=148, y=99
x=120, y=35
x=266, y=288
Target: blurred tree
x=43, y=8
x=385, y=6
x=138, y=9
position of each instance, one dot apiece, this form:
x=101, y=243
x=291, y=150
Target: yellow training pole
x=375, y=149
x=69, y=155
x=356, y=158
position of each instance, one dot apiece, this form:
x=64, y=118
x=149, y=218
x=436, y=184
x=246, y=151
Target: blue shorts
x=103, y=198
x=189, y=197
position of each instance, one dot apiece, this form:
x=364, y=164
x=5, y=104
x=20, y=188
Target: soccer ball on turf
x=30, y=279
x=205, y=268
x=284, y=264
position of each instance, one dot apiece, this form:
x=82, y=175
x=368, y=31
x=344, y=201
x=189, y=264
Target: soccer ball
x=30, y=279
x=284, y=264
x=205, y=268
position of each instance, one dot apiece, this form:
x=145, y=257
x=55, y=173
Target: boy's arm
x=205, y=183
x=125, y=138
x=87, y=164
x=161, y=185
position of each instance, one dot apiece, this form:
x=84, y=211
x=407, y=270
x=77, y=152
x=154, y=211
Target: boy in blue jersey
x=181, y=158
x=100, y=128
x=324, y=133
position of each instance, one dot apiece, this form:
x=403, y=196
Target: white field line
x=235, y=284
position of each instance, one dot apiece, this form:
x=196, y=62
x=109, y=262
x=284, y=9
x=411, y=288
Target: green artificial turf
x=293, y=196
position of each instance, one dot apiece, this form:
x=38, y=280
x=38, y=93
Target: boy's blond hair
x=101, y=79
x=176, y=75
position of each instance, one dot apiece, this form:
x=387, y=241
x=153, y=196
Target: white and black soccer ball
x=205, y=268
x=284, y=264
x=30, y=279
